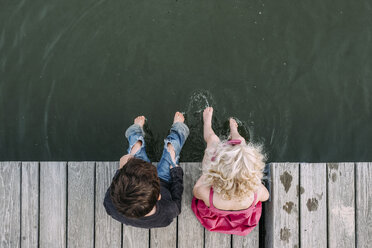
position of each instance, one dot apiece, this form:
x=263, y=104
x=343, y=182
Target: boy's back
x=167, y=208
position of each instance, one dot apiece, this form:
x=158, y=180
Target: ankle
x=208, y=125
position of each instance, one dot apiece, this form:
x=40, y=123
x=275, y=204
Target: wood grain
x=107, y=230
x=190, y=231
x=282, y=213
x=10, y=178
x=135, y=237
x=80, y=207
x=341, y=205
x=30, y=204
x=313, y=202
x=363, y=220
x=214, y=239
x=53, y=204
x=249, y=241
x=164, y=237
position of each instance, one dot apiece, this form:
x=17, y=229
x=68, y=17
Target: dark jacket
x=167, y=208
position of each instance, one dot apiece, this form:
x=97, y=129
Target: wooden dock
x=59, y=204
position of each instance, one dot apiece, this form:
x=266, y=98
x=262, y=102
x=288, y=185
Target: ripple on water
x=256, y=125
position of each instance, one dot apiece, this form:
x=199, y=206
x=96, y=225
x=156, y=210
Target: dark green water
x=74, y=74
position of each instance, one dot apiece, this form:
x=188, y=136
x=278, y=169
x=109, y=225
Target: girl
x=228, y=196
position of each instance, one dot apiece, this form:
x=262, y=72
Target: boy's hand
x=124, y=160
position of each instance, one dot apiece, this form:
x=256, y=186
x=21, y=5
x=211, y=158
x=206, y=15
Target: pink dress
x=240, y=222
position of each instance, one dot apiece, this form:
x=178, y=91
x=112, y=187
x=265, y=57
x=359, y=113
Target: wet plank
x=108, y=230
x=30, y=204
x=313, y=205
x=53, y=204
x=214, y=239
x=10, y=178
x=135, y=237
x=282, y=213
x=363, y=220
x=251, y=240
x=191, y=232
x=341, y=202
x=80, y=207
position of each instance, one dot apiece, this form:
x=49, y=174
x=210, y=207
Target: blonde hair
x=235, y=171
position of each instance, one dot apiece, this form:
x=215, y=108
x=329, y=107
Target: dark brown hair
x=135, y=190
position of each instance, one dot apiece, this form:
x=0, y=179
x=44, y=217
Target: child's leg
x=135, y=135
x=209, y=136
x=234, y=130
x=172, y=147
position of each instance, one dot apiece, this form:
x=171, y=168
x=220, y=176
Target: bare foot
x=140, y=120
x=178, y=117
x=234, y=134
x=233, y=125
x=207, y=115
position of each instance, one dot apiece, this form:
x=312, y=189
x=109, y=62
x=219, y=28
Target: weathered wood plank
x=191, y=233
x=363, y=220
x=135, y=237
x=108, y=230
x=214, y=239
x=30, y=204
x=313, y=205
x=281, y=217
x=164, y=237
x=249, y=241
x=53, y=204
x=10, y=178
x=80, y=207
x=341, y=202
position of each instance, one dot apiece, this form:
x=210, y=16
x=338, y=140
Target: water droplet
x=284, y=63
x=260, y=13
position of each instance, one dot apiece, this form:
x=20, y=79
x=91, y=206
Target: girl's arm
x=209, y=136
x=201, y=191
x=263, y=193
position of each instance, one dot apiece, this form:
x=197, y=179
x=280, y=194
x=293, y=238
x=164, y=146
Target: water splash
x=195, y=145
x=199, y=100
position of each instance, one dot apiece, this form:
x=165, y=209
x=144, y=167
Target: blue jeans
x=177, y=137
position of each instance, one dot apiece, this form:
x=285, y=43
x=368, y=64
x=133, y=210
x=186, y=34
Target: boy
x=141, y=195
